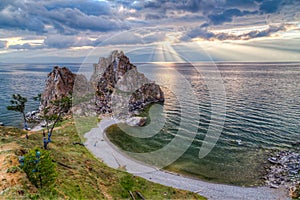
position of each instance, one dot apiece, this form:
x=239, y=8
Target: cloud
x=154, y=37
x=95, y=8
x=270, y=6
x=67, y=24
x=204, y=33
x=74, y=17
x=124, y=38
x=25, y=46
x=77, y=20
x=62, y=15
x=267, y=32
x=64, y=41
x=3, y=44
x=16, y=15
x=227, y=16
x=244, y=4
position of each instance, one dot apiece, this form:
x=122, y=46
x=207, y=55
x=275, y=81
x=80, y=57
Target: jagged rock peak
x=135, y=91
x=59, y=83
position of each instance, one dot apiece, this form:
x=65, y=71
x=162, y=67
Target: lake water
x=27, y=80
x=262, y=113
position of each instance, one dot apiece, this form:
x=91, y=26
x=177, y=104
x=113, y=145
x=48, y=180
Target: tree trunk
x=24, y=117
x=56, y=120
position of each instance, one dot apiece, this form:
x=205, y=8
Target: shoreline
x=103, y=149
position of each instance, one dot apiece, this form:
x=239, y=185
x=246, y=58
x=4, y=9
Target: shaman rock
x=120, y=88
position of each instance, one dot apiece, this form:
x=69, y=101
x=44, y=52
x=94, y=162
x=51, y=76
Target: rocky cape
x=120, y=88
x=115, y=87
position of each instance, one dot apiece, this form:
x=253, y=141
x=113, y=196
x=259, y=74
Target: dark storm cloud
x=227, y=16
x=270, y=6
x=216, y=12
x=202, y=32
x=69, y=16
x=15, y=14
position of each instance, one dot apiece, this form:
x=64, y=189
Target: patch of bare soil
x=11, y=176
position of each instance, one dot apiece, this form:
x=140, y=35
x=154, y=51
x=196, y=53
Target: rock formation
x=59, y=83
x=115, y=87
x=120, y=88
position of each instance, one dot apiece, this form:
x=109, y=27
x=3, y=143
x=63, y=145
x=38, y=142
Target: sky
x=50, y=31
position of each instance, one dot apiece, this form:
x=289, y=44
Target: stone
x=273, y=185
x=294, y=191
x=284, y=169
x=273, y=160
x=136, y=121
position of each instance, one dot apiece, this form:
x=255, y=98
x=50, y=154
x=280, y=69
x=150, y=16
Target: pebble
x=284, y=170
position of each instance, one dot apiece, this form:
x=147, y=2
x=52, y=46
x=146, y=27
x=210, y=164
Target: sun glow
x=20, y=41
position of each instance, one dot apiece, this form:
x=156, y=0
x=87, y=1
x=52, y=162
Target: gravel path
x=100, y=146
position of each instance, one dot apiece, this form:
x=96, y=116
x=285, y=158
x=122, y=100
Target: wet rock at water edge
x=284, y=170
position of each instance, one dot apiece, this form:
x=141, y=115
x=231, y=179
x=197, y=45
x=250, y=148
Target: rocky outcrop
x=120, y=88
x=148, y=93
x=115, y=87
x=59, y=83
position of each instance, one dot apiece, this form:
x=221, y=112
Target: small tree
x=40, y=168
x=38, y=97
x=63, y=105
x=18, y=104
x=53, y=113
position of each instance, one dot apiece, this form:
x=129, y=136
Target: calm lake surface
x=262, y=114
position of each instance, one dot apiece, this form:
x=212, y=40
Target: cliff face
x=120, y=88
x=59, y=83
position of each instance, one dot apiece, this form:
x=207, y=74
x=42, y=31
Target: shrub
x=40, y=168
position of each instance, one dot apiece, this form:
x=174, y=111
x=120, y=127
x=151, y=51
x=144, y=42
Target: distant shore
x=103, y=149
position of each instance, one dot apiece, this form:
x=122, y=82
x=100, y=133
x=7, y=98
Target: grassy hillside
x=80, y=174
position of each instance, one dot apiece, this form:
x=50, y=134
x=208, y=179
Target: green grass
x=85, y=124
x=83, y=176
